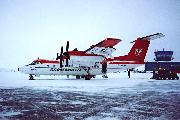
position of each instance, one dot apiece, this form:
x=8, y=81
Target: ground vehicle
x=164, y=74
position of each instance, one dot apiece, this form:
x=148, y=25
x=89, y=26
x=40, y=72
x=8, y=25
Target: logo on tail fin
x=138, y=52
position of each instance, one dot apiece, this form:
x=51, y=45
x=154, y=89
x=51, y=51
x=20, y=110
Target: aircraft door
x=104, y=67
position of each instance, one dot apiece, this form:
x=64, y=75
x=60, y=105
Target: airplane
x=96, y=60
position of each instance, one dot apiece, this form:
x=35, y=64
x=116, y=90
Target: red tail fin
x=139, y=49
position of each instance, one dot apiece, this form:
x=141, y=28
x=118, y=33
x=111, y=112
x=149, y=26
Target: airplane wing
x=108, y=42
x=104, y=47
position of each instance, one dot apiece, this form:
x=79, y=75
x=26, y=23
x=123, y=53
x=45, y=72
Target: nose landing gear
x=31, y=77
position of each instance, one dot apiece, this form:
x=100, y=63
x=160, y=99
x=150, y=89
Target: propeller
x=60, y=57
x=67, y=54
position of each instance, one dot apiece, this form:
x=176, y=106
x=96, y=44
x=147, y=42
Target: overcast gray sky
x=38, y=28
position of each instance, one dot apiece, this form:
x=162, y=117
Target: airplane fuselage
x=96, y=69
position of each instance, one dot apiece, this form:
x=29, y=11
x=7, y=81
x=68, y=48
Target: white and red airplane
x=93, y=61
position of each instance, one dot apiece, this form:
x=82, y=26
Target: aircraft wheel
x=83, y=76
x=87, y=77
x=157, y=78
x=77, y=77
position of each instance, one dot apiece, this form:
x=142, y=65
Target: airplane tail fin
x=139, y=49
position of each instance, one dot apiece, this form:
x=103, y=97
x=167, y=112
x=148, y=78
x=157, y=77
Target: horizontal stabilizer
x=151, y=37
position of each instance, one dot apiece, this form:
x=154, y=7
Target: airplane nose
x=21, y=69
x=24, y=69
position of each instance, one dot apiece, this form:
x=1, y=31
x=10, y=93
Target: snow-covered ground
x=59, y=97
x=17, y=79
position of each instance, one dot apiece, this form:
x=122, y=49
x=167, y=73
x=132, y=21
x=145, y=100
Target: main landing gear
x=86, y=77
x=31, y=77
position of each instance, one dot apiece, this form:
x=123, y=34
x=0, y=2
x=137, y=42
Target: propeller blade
x=57, y=56
x=67, y=46
x=61, y=63
x=61, y=57
x=61, y=50
x=67, y=53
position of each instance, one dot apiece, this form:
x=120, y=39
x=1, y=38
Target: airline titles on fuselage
x=65, y=69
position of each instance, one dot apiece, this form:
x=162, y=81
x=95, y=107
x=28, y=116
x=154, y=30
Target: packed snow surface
x=16, y=79
x=116, y=97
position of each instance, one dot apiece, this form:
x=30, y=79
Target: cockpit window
x=33, y=63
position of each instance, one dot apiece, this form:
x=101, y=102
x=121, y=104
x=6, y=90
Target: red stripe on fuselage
x=127, y=63
x=80, y=53
x=42, y=61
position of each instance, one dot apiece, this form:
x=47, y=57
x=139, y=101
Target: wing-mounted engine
x=85, y=60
